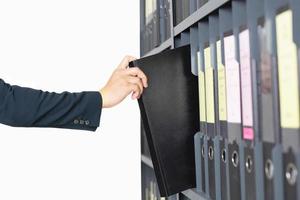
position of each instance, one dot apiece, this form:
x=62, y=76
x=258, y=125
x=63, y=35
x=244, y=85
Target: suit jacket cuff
x=93, y=111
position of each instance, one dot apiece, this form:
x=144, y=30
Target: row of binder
x=247, y=56
x=156, y=28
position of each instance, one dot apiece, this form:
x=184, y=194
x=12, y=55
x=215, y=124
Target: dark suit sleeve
x=26, y=107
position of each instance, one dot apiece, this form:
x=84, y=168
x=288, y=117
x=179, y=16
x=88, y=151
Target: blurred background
x=69, y=45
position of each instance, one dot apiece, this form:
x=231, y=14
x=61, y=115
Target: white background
x=71, y=45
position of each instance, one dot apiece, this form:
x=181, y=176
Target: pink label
x=248, y=133
x=246, y=78
x=232, y=81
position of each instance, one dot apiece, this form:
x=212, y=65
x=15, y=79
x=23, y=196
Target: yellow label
x=209, y=87
x=201, y=83
x=221, y=85
x=287, y=71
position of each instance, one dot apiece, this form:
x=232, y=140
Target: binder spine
x=243, y=174
x=217, y=163
x=198, y=161
x=254, y=13
x=193, y=6
x=287, y=46
x=278, y=172
x=216, y=61
x=194, y=49
x=259, y=170
x=162, y=21
x=298, y=177
x=234, y=170
x=203, y=165
x=206, y=169
x=202, y=100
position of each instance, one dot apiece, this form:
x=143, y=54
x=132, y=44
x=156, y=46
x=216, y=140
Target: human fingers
x=136, y=92
x=135, y=71
x=137, y=81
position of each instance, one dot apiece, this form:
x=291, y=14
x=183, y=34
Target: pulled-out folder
x=170, y=115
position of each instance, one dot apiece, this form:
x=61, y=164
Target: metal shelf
x=147, y=161
x=193, y=195
x=202, y=12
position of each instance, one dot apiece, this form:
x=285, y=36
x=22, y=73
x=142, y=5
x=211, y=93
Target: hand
x=123, y=81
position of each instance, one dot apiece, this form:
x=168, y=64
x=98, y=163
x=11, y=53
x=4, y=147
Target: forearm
x=26, y=107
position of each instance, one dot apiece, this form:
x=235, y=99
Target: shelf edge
x=166, y=44
x=191, y=194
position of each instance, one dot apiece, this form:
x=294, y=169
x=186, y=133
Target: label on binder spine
x=209, y=87
x=246, y=84
x=201, y=82
x=221, y=84
x=232, y=81
x=287, y=72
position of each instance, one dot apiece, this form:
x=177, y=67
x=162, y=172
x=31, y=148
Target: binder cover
x=203, y=44
x=178, y=11
x=169, y=109
x=225, y=25
x=255, y=11
x=198, y=162
x=214, y=39
x=246, y=43
x=167, y=18
x=233, y=102
x=162, y=24
x=212, y=106
x=267, y=111
x=287, y=44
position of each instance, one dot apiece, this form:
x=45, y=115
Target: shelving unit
x=246, y=54
x=178, y=31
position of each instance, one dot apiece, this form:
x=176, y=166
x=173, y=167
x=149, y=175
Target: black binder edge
x=155, y=158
